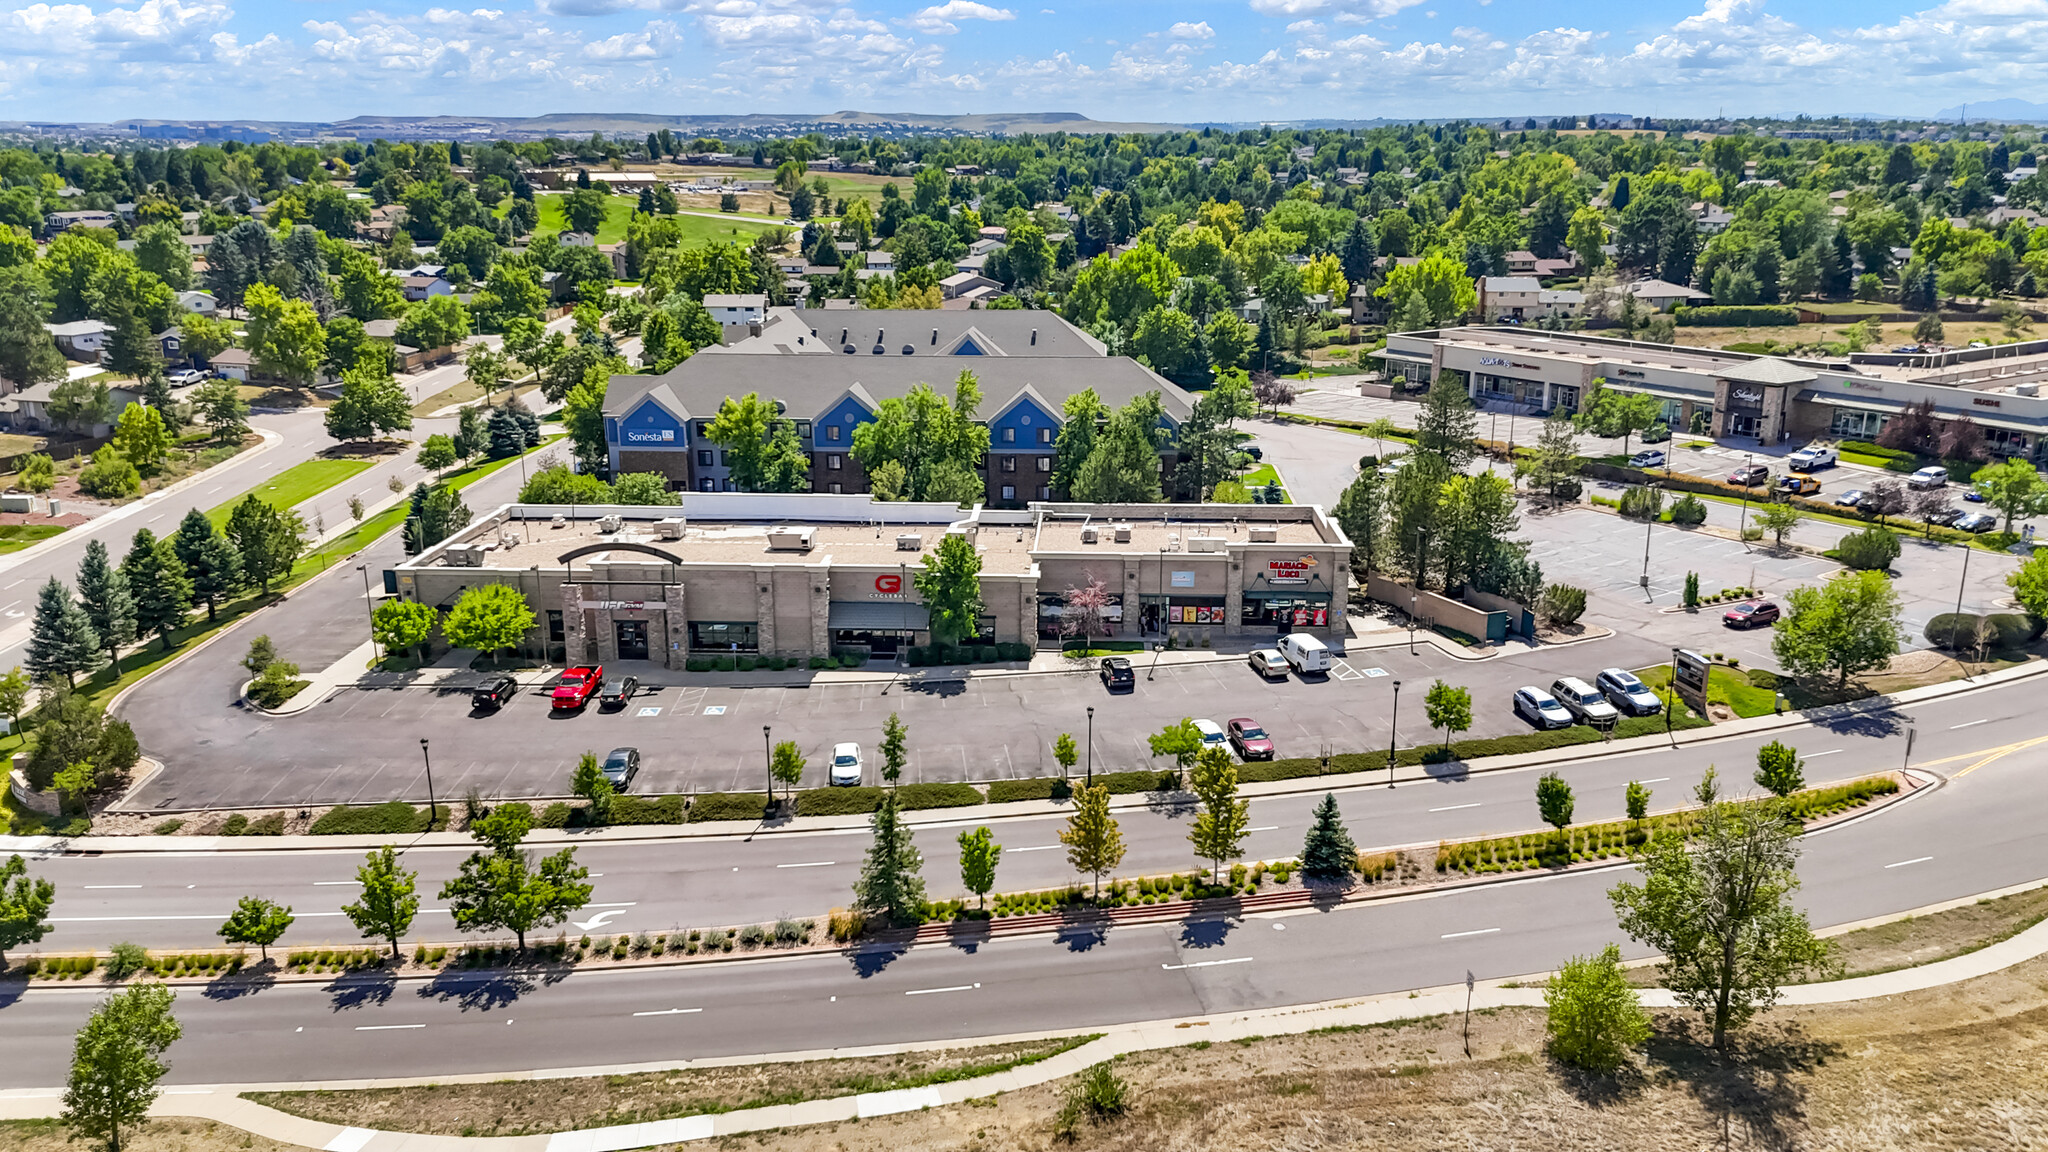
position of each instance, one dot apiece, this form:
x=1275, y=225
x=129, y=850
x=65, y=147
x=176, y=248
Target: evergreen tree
x=1446, y=425
x=104, y=594
x=1361, y=251
x=61, y=641
x=210, y=559
x=162, y=591
x=1123, y=467
x=889, y=883
x=1328, y=853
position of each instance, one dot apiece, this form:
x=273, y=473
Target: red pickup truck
x=578, y=686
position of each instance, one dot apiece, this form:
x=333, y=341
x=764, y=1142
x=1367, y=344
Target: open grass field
x=293, y=486
x=1956, y=334
x=619, y=210
x=15, y=537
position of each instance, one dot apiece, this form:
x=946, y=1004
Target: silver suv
x=1628, y=693
x=1583, y=702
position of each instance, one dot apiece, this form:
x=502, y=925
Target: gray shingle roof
x=1768, y=370
x=1008, y=329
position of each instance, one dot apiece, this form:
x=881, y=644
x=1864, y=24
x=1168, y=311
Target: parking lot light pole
x=769, y=748
x=1393, y=733
x=368, y=610
x=1742, y=528
x=1648, y=523
x=1671, y=699
x=1960, y=586
x=431, y=811
x=1091, y=746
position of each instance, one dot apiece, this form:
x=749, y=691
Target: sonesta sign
x=663, y=436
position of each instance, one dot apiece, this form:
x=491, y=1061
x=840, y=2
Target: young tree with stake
x=1554, y=801
x=1219, y=828
x=1779, y=769
x=1448, y=708
x=1095, y=845
x=588, y=781
x=116, y=1062
x=979, y=855
x=386, y=901
x=256, y=921
x=1066, y=752
x=786, y=766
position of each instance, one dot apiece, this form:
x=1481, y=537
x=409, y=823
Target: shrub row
x=334, y=959
x=1957, y=631
x=391, y=818
x=1036, y=788
x=1122, y=783
x=728, y=806
x=939, y=655
x=644, y=810
x=60, y=967
x=937, y=795
x=190, y=963
x=837, y=801
x=1737, y=316
x=845, y=659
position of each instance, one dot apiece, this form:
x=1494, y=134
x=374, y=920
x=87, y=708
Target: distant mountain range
x=566, y=124
x=2007, y=109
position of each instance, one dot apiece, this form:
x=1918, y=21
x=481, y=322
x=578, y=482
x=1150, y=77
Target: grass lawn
x=619, y=210
x=359, y=537
x=702, y=230
x=293, y=486
x=1263, y=475
x=1724, y=686
x=15, y=537
x=463, y=392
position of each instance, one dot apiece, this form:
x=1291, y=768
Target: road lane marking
x=386, y=1027
x=934, y=991
x=91, y=887
x=667, y=1012
x=1970, y=724
x=1036, y=848
x=1818, y=755
x=1454, y=807
x=1914, y=860
x=810, y=864
x=1474, y=932
x=1207, y=963
x=1654, y=780
x=1265, y=828
x=334, y=883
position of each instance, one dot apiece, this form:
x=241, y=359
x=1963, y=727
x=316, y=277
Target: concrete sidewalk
x=223, y=1103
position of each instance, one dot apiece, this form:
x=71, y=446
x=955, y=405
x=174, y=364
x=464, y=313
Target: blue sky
x=1128, y=60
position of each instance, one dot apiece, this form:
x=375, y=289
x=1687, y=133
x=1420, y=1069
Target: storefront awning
x=877, y=616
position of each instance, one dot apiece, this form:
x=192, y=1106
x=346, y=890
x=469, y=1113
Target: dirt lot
x=156, y=1136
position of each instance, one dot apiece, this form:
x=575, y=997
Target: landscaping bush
x=699, y=664
x=1688, y=511
x=937, y=795
x=1871, y=550
x=555, y=815
x=1122, y=783
x=392, y=818
x=743, y=663
x=728, y=806
x=645, y=810
x=912, y=656
x=837, y=801
x=1737, y=316
x=1955, y=631
x=234, y=825
x=271, y=825
x=1036, y=788
x=722, y=664
x=1562, y=604
x=1644, y=503
x=1014, y=651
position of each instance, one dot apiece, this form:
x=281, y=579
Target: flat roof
x=538, y=542
x=1064, y=534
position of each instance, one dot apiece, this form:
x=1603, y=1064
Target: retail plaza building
x=813, y=574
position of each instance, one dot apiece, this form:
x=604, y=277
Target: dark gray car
x=620, y=766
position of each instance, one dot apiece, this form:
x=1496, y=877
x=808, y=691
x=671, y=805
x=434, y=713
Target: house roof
x=1512, y=284
x=77, y=328
x=736, y=300
x=1766, y=370
x=386, y=329
x=825, y=331
x=233, y=356
x=1662, y=290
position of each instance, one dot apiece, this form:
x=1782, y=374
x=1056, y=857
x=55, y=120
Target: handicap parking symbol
x=715, y=710
x=649, y=712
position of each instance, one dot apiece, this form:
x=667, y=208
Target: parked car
x=1850, y=499
x=1253, y=451
x=1305, y=653
x=184, y=376
x=1798, y=485
x=1932, y=476
x=1749, y=475
x=620, y=766
x=577, y=686
x=1116, y=673
x=494, y=693
x=1946, y=518
x=1650, y=459
x=1813, y=456
x=1268, y=662
x=1975, y=522
x=1974, y=496
x=1541, y=708
x=1212, y=734
x=1627, y=692
x=615, y=694
x=1750, y=614
x=1250, y=740
x=846, y=766
x=1583, y=702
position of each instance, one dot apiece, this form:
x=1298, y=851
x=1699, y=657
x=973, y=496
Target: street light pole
x=1960, y=586
x=368, y=611
x=1649, y=521
x=1742, y=528
x=1671, y=701
x=768, y=748
x=1091, y=746
x=1393, y=733
x=430, y=783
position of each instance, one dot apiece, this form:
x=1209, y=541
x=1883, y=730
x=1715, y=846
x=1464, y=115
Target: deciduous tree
x=1219, y=828
x=1848, y=625
x=1095, y=845
x=24, y=901
x=948, y=581
x=256, y=921
x=979, y=855
x=116, y=1062
x=386, y=901
x=1594, y=1015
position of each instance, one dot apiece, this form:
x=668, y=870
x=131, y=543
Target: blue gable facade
x=1018, y=428
x=647, y=428
x=849, y=413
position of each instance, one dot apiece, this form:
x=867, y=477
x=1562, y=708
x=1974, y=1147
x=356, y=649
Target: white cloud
x=937, y=20
x=1186, y=31
x=1351, y=11
x=154, y=29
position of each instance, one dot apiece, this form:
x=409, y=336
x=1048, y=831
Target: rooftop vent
x=935, y=336
x=1205, y=543
x=609, y=523
x=1123, y=533
x=790, y=539
x=1088, y=535
x=909, y=350
x=1034, y=337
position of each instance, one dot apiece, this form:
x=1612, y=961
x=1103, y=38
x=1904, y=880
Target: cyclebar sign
x=1289, y=571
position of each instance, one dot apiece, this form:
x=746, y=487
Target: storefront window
x=1854, y=425
x=724, y=636
x=1284, y=615
x=1182, y=610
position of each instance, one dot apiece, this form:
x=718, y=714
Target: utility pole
x=431, y=811
x=1091, y=746
x=768, y=747
x=1960, y=586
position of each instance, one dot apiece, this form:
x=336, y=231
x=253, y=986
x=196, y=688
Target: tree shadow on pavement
x=366, y=988
x=967, y=934
x=1880, y=723
x=1447, y=771
x=258, y=977
x=1210, y=930
x=943, y=689
x=872, y=959
x=1757, y=1090
x=1174, y=803
x=488, y=989
x=1083, y=929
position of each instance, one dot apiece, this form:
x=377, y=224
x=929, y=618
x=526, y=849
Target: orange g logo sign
x=889, y=585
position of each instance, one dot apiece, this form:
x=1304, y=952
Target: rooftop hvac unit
x=910, y=542
x=790, y=539
x=558, y=521
x=508, y=539
x=1088, y=535
x=1265, y=534
x=670, y=528
x=465, y=556
x=1123, y=533
x=608, y=523
x=2026, y=389
x=1205, y=543
x=1173, y=541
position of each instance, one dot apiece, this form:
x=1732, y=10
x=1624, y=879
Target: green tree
x=116, y=1062
x=1611, y=412
x=1095, y=845
x=1328, y=853
x=140, y=436
x=284, y=336
x=584, y=209
x=1182, y=741
x=1445, y=426
x=1778, y=519
x=1219, y=828
x=1595, y=1018
x=256, y=921
x=1082, y=414
x=948, y=581
x=110, y=476
x=2029, y=584
x=1554, y=800
x=371, y=403
x=386, y=902
x=14, y=691
x=220, y=405
x=1718, y=906
x=786, y=765
x=1637, y=799
x=268, y=541
x=160, y=250
x=506, y=889
x=889, y=885
x=588, y=781
x=1448, y=708
x=1123, y=464
x=436, y=322
x=437, y=452
x=28, y=353
x=1362, y=513
x=1438, y=280
x=61, y=640
x=24, y=901
x=1066, y=752
x=1779, y=769
x=583, y=419
x=1849, y=625
x=895, y=747
x=38, y=473
x=2013, y=487
x=760, y=445
x=402, y=625
x=979, y=855
x=103, y=593
x=939, y=444
x=489, y=618
x=556, y=484
x=163, y=593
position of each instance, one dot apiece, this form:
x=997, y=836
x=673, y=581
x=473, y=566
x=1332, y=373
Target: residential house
x=1367, y=308
x=739, y=315
x=576, y=240
x=199, y=303
x=418, y=288
x=994, y=232
x=1714, y=219
x=971, y=265
x=384, y=223
x=235, y=364
x=57, y=222
x=1509, y=298
x=1662, y=295
x=962, y=283
x=80, y=340
x=617, y=254
x=1566, y=265
x=885, y=261
x=1558, y=302
x=29, y=409
x=1521, y=263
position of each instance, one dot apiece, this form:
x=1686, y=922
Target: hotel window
x=832, y=462
x=1045, y=463
x=1045, y=435
x=725, y=457
x=1044, y=492
x=803, y=429
x=1009, y=492
x=1009, y=435
x=708, y=484
x=837, y=488
x=832, y=432
x=1009, y=463
x=703, y=429
x=704, y=458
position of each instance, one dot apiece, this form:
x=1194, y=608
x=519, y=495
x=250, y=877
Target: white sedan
x=846, y=765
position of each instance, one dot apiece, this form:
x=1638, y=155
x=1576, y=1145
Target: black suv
x=1116, y=673
x=493, y=693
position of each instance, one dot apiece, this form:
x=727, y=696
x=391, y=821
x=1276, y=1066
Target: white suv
x=1932, y=476
x=1813, y=456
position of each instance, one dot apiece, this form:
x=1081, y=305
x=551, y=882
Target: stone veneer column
x=678, y=643
x=764, y=608
x=821, y=615
x=1233, y=597
x=572, y=625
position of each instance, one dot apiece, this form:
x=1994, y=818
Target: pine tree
x=103, y=592
x=61, y=641
x=894, y=753
x=1447, y=423
x=1328, y=853
x=889, y=883
x=156, y=577
x=210, y=559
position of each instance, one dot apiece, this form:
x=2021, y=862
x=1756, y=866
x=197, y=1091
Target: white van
x=1305, y=652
